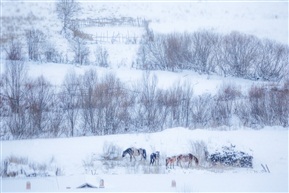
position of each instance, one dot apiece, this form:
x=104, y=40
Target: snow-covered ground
x=268, y=146
x=201, y=83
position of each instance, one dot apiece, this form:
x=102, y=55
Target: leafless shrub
x=204, y=48
x=39, y=102
x=240, y=53
x=14, y=49
x=35, y=43
x=201, y=110
x=51, y=54
x=111, y=151
x=91, y=164
x=81, y=51
x=229, y=92
x=273, y=61
x=235, y=54
x=101, y=57
x=225, y=104
x=70, y=99
x=198, y=148
x=165, y=52
x=16, y=166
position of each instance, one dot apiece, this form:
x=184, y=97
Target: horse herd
x=155, y=157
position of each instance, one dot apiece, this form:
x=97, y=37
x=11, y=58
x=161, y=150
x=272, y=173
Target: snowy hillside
x=185, y=111
x=263, y=19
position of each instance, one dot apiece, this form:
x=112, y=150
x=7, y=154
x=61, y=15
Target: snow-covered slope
x=267, y=146
x=264, y=19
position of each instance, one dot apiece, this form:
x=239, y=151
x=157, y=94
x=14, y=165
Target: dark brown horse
x=189, y=158
x=155, y=158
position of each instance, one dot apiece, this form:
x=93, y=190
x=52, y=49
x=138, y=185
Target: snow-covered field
x=268, y=146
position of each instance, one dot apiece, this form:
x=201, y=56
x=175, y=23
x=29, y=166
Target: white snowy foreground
x=268, y=146
x=194, y=182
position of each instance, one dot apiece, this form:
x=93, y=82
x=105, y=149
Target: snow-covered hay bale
x=228, y=156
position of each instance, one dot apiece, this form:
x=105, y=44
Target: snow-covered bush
x=198, y=149
x=101, y=57
x=14, y=166
x=111, y=152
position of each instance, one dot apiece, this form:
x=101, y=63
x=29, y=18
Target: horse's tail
x=144, y=154
x=167, y=161
x=196, y=160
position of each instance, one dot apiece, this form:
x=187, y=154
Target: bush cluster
x=207, y=52
x=90, y=104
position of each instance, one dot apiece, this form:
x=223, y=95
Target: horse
x=132, y=152
x=170, y=161
x=155, y=158
x=187, y=158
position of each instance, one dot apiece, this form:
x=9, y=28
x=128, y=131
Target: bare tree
x=204, y=45
x=14, y=80
x=15, y=77
x=66, y=10
x=111, y=105
x=35, y=43
x=224, y=104
x=39, y=103
x=71, y=100
x=13, y=49
x=88, y=102
x=273, y=61
x=147, y=112
x=201, y=110
x=239, y=52
x=81, y=51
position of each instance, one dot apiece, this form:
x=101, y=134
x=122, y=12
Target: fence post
x=28, y=185
x=174, y=184
x=101, y=183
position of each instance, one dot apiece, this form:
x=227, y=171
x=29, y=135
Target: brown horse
x=171, y=161
x=187, y=158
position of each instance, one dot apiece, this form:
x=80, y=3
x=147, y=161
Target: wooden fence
x=101, y=22
x=100, y=38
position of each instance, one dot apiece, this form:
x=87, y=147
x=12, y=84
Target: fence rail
x=101, y=22
x=115, y=38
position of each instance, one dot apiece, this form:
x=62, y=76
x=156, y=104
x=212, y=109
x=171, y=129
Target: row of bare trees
x=91, y=104
x=206, y=52
x=37, y=47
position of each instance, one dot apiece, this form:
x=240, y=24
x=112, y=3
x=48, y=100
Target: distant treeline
x=92, y=105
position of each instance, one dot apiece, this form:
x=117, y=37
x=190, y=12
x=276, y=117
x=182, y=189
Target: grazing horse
x=170, y=161
x=187, y=158
x=155, y=158
x=132, y=152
